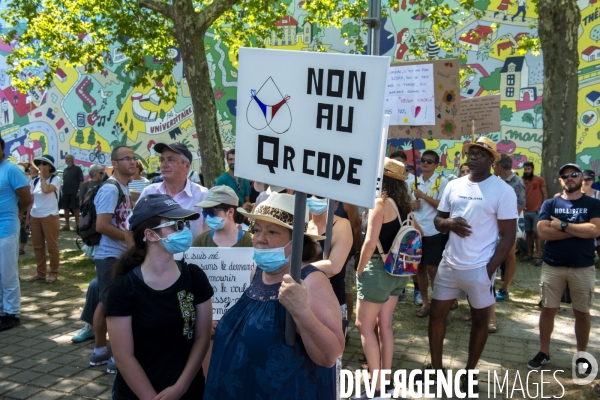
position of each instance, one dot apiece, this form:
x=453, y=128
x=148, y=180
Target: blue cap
x=159, y=205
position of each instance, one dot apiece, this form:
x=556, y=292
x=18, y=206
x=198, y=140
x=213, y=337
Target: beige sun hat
x=278, y=209
x=395, y=169
x=487, y=144
x=217, y=195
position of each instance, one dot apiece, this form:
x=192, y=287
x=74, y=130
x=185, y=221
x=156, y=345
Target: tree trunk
x=558, y=24
x=191, y=43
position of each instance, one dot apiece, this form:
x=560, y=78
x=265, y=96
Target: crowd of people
x=157, y=311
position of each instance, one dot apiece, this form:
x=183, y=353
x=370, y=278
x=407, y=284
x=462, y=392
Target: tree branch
x=158, y=6
x=213, y=11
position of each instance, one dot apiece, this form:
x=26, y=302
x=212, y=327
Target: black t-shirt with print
x=163, y=326
x=574, y=251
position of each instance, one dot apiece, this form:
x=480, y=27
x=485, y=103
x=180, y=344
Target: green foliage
x=492, y=82
x=161, y=114
x=350, y=30
x=335, y=13
x=87, y=107
x=482, y=4
x=79, y=137
x=91, y=140
x=131, y=126
x=43, y=144
x=506, y=113
x=528, y=118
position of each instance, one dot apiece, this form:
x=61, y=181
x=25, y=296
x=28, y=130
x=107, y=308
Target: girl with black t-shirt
x=159, y=311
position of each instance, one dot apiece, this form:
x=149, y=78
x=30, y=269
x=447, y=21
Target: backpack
x=37, y=179
x=404, y=256
x=87, y=220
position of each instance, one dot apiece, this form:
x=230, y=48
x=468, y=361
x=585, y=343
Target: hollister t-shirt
x=572, y=252
x=481, y=204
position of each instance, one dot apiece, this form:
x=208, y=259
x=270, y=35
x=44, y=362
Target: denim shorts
x=376, y=285
x=104, y=272
x=531, y=219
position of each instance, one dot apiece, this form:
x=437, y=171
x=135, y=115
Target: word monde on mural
x=311, y=122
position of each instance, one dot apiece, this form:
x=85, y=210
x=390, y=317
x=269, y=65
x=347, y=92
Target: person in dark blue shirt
x=569, y=224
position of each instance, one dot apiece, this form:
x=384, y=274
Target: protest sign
x=447, y=103
x=228, y=270
x=484, y=110
x=409, y=98
x=311, y=122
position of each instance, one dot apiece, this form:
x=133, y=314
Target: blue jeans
x=10, y=288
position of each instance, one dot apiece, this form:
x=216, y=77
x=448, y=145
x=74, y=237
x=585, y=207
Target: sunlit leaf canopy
x=82, y=33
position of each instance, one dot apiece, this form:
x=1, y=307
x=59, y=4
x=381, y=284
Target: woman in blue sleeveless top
x=250, y=359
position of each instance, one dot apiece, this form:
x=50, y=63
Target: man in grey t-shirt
x=111, y=221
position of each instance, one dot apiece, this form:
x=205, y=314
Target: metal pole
x=296, y=261
x=374, y=23
x=329, y=229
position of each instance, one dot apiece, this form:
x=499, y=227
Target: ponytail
x=135, y=255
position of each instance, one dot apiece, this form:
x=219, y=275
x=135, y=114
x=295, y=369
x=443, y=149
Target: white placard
x=228, y=270
x=311, y=121
x=409, y=98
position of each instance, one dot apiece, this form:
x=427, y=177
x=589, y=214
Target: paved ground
x=39, y=361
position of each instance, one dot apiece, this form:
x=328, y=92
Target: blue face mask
x=317, y=206
x=270, y=260
x=178, y=242
x=215, y=223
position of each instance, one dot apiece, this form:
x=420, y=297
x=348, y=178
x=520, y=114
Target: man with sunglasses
x=426, y=193
x=113, y=207
x=569, y=223
x=175, y=161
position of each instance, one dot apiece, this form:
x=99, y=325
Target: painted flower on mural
x=449, y=97
x=448, y=127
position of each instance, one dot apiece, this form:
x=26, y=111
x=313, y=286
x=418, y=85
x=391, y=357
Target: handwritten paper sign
x=484, y=110
x=446, y=87
x=228, y=270
x=409, y=97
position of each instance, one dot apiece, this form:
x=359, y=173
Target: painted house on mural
x=590, y=54
x=288, y=26
x=593, y=98
x=479, y=36
x=514, y=76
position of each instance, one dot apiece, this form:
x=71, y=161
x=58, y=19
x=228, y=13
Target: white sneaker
x=417, y=298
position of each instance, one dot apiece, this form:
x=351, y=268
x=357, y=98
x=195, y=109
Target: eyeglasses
x=477, y=154
x=44, y=163
x=180, y=224
x=210, y=211
x=428, y=161
x=127, y=159
x=571, y=175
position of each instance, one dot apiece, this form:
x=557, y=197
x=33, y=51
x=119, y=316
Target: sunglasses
x=571, y=175
x=427, y=161
x=477, y=154
x=180, y=224
x=127, y=159
x=210, y=211
x=44, y=163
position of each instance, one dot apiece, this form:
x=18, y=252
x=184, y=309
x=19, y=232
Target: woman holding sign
x=158, y=310
x=377, y=290
x=250, y=359
x=220, y=215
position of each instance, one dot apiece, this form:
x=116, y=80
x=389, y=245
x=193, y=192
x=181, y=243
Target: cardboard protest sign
x=311, y=122
x=409, y=98
x=228, y=270
x=447, y=103
x=485, y=110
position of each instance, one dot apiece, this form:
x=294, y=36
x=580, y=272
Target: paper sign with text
x=447, y=90
x=484, y=110
x=311, y=121
x=228, y=270
x=409, y=96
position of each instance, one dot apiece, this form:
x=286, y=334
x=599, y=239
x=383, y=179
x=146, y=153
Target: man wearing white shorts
x=475, y=209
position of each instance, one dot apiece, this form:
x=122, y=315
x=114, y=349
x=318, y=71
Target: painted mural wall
x=87, y=115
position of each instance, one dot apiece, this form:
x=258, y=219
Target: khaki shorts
x=581, y=285
x=350, y=278
x=376, y=285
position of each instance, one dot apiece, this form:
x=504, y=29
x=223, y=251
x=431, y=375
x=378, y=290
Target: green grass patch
x=74, y=269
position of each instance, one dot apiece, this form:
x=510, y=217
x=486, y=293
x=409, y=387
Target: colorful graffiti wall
x=89, y=114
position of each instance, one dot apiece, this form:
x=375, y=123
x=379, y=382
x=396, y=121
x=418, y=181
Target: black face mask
x=527, y=175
